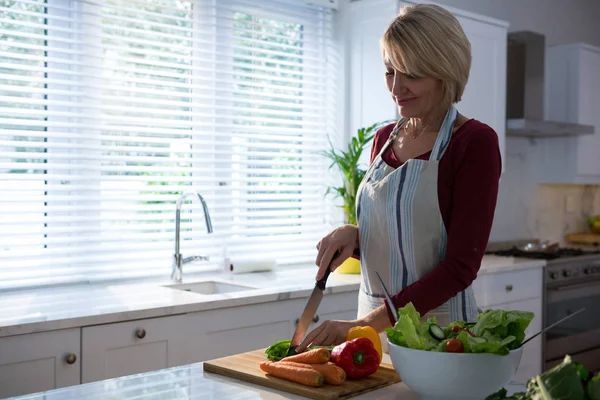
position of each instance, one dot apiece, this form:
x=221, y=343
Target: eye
x=389, y=72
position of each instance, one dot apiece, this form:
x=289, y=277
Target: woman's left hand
x=329, y=333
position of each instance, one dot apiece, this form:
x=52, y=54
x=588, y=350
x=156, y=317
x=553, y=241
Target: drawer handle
x=140, y=333
x=509, y=288
x=71, y=359
x=314, y=320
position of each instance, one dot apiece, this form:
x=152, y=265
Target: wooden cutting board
x=586, y=238
x=246, y=368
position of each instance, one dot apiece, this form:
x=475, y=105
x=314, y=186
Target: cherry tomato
x=456, y=329
x=454, y=346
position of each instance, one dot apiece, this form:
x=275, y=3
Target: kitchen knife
x=311, y=309
x=388, y=299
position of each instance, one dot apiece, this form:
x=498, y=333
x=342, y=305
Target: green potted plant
x=348, y=164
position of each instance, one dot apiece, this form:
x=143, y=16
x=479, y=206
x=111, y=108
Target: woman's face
x=415, y=97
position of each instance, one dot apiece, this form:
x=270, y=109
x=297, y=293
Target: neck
x=431, y=122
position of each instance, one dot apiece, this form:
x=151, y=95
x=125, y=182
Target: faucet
x=178, y=260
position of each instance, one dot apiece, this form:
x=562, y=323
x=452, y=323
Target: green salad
x=496, y=331
x=566, y=381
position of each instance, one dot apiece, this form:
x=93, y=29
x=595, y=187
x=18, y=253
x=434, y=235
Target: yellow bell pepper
x=369, y=333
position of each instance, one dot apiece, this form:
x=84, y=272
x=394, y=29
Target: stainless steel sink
x=210, y=287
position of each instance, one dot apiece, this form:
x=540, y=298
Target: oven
x=572, y=284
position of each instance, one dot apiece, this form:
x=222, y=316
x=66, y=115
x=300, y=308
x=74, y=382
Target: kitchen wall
x=528, y=210
x=561, y=21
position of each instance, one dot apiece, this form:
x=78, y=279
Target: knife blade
x=388, y=299
x=311, y=309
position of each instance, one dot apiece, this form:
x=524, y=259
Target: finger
x=322, y=246
x=344, y=255
x=309, y=338
x=329, y=339
x=322, y=337
x=327, y=256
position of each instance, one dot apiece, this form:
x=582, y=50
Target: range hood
x=525, y=90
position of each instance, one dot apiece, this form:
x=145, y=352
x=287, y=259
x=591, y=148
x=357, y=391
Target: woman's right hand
x=344, y=240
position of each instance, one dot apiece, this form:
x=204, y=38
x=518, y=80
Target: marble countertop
x=29, y=311
x=191, y=382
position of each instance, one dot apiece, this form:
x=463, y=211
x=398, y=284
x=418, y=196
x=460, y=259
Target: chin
x=407, y=112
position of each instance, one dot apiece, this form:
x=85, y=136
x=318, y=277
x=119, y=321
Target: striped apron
x=401, y=230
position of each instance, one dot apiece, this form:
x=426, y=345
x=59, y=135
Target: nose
x=398, y=86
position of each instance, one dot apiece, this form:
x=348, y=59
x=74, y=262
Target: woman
x=426, y=204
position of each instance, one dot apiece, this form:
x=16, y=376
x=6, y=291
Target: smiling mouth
x=405, y=101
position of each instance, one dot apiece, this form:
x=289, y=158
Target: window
x=110, y=110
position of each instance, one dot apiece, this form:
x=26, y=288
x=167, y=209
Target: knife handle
x=321, y=283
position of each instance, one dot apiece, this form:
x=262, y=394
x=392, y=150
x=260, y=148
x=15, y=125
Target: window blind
x=110, y=110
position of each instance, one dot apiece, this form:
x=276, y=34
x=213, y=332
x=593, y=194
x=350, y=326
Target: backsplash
x=562, y=209
x=528, y=210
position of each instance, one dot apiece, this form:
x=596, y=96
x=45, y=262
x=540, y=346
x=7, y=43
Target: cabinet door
x=126, y=348
x=588, y=160
x=485, y=94
x=39, y=361
x=227, y=331
x=531, y=361
x=370, y=101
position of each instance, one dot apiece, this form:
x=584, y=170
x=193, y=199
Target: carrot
x=304, y=376
x=315, y=356
x=333, y=374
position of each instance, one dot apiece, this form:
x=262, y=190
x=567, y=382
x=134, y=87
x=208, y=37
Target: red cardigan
x=468, y=177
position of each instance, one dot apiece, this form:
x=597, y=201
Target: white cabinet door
x=370, y=100
x=485, y=94
x=505, y=287
x=572, y=94
x=39, y=361
x=113, y=350
x=227, y=331
x=588, y=112
x=219, y=333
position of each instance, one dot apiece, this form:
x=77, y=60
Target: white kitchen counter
x=191, y=382
x=38, y=310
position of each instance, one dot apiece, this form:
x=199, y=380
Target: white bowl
x=463, y=376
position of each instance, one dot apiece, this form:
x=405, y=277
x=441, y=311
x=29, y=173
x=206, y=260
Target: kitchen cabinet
x=240, y=329
x=125, y=348
x=39, y=361
x=572, y=95
x=517, y=290
x=370, y=101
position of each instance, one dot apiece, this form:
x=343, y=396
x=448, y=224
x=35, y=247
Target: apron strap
x=444, y=135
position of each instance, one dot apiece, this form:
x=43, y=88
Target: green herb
x=282, y=349
x=278, y=350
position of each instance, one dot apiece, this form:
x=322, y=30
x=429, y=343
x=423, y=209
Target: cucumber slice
x=436, y=332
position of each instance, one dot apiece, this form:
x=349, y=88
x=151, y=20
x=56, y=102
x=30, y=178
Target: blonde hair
x=426, y=40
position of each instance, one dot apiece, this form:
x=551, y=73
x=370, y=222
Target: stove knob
x=566, y=273
x=586, y=271
x=553, y=275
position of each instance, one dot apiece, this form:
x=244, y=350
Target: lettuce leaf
x=410, y=332
x=490, y=344
x=502, y=324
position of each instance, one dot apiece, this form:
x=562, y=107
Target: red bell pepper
x=357, y=357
